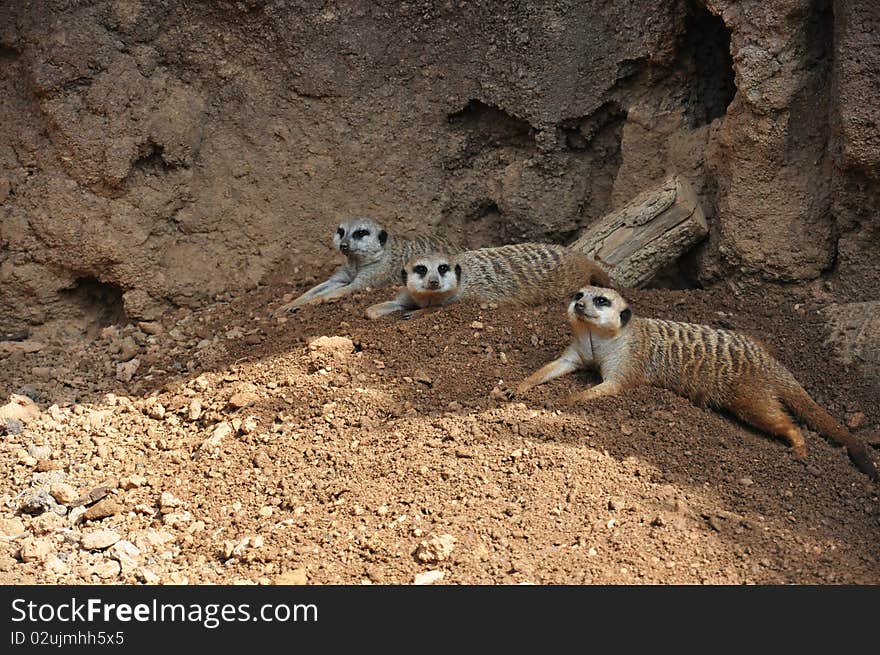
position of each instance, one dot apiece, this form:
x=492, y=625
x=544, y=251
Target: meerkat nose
x=343, y=247
x=579, y=306
x=434, y=284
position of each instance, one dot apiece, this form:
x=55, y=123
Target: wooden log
x=654, y=229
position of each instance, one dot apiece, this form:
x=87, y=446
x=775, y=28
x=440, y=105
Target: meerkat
x=374, y=258
x=523, y=273
x=714, y=367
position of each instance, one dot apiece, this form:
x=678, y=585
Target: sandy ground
x=247, y=449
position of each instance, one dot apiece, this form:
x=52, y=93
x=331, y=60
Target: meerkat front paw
x=799, y=452
x=573, y=400
x=502, y=392
x=374, y=312
x=873, y=438
x=523, y=388
x=287, y=309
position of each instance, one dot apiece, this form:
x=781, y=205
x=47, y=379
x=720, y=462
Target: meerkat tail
x=800, y=403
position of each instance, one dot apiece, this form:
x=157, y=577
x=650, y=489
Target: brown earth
x=381, y=454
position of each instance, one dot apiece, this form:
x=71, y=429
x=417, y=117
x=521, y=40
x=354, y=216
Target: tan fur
x=713, y=367
x=523, y=274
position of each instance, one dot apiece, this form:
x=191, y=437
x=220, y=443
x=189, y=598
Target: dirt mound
x=330, y=449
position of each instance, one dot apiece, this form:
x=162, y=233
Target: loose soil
x=246, y=449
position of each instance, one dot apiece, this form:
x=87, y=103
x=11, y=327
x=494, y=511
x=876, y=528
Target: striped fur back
x=527, y=273
x=703, y=363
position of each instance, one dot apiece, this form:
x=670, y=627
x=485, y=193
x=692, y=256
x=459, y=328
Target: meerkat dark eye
x=360, y=234
x=601, y=301
x=443, y=269
x=578, y=296
x=340, y=231
x=420, y=270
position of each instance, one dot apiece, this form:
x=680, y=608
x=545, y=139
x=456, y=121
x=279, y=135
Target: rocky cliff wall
x=160, y=154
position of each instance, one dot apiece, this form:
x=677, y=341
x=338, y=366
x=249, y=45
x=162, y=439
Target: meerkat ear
x=383, y=237
x=625, y=315
x=599, y=278
x=403, y=276
x=458, y=272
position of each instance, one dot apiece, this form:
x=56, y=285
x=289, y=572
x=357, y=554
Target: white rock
x=20, y=408
x=106, y=570
x=231, y=548
x=154, y=409
x=76, y=513
x=168, y=500
x=39, y=452
x=177, y=519
x=126, y=554
x=195, y=409
x=47, y=523
x=294, y=577
x=59, y=415
x=339, y=347
x=99, y=540
x=49, y=477
x=428, y=577
x=56, y=566
x=132, y=482
x=63, y=493
x=151, y=538
x=436, y=548
x=36, y=550
x=13, y=527
x=125, y=371
x=147, y=576
x=220, y=432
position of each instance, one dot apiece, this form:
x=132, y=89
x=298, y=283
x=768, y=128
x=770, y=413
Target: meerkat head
x=361, y=239
x=431, y=279
x=602, y=310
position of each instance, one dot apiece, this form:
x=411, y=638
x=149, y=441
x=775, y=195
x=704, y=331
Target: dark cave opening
x=601, y=130
x=150, y=159
x=705, y=53
x=98, y=301
x=8, y=53
x=493, y=126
